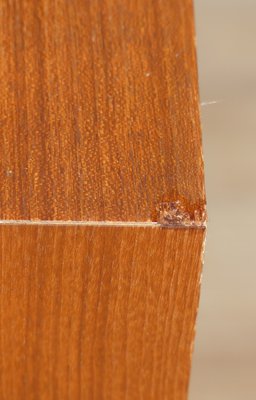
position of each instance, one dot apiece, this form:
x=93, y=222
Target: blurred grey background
x=224, y=361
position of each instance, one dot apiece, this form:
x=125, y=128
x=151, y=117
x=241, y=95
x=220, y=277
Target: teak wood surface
x=102, y=201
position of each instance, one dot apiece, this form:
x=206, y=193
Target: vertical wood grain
x=98, y=109
x=99, y=125
x=97, y=313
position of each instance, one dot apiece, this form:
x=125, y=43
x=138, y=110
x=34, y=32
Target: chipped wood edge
x=170, y=215
x=173, y=214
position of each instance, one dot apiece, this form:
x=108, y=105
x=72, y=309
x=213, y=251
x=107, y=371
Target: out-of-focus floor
x=224, y=362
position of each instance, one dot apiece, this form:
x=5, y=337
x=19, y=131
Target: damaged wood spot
x=173, y=214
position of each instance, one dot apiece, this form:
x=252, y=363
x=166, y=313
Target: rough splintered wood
x=99, y=126
x=93, y=320
x=99, y=110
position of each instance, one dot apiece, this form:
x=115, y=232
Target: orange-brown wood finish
x=102, y=201
x=99, y=109
x=97, y=313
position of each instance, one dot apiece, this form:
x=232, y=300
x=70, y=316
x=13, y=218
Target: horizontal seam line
x=97, y=223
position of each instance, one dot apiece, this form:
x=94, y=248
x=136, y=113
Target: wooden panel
x=98, y=109
x=97, y=312
x=99, y=125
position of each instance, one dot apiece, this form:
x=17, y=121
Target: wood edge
x=174, y=214
x=146, y=224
